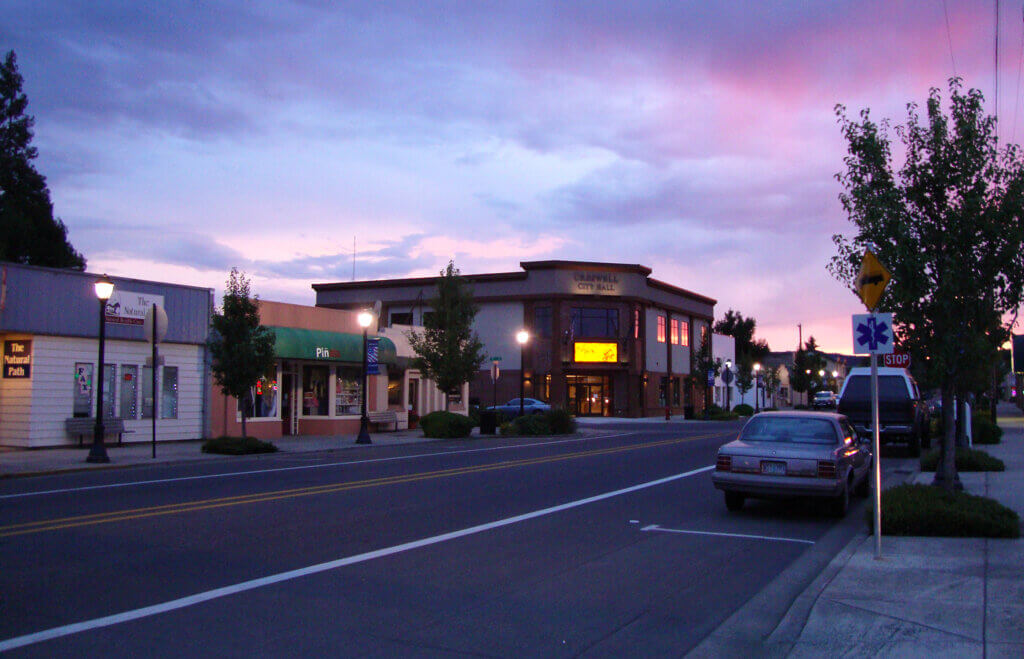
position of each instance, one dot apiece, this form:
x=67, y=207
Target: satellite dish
x=376, y=308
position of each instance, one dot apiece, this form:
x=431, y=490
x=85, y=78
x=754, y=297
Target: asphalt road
x=600, y=546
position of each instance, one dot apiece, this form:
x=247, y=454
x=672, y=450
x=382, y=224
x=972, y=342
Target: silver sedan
x=794, y=454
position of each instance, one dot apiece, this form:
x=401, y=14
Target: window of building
x=264, y=396
x=348, y=391
x=82, y=402
x=595, y=323
x=314, y=390
x=676, y=392
x=542, y=322
x=394, y=387
x=169, y=393
x=636, y=323
x=129, y=391
x=661, y=329
x=427, y=317
x=674, y=324
x=147, y=392
x=109, y=390
x=703, y=334
x=401, y=318
x=684, y=333
x=662, y=391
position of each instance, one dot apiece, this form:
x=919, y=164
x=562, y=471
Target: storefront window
x=264, y=396
x=109, y=390
x=663, y=392
x=394, y=387
x=348, y=391
x=147, y=392
x=314, y=390
x=169, y=393
x=129, y=391
x=82, y=405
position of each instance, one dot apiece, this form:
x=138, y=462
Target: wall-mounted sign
x=127, y=308
x=18, y=359
x=596, y=352
x=595, y=282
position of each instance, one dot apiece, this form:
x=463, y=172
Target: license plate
x=774, y=468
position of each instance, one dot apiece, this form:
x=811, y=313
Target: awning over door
x=317, y=345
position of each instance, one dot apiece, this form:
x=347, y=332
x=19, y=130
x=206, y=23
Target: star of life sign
x=872, y=334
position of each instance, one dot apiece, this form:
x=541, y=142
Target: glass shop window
x=348, y=391
x=129, y=391
x=263, y=396
x=169, y=393
x=395, y=387
x=314, y=390
x=147, y=392
x=82, y=402
x=109, y=390
x=676, y=389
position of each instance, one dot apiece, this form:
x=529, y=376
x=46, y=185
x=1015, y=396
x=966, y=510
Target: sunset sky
x=180, y=139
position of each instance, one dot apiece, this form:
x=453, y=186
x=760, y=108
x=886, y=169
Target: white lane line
x=198, y=598
x=655, y=527
x=318, y=466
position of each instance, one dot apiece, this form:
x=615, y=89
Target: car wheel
x=841, y=503
x=734, y=501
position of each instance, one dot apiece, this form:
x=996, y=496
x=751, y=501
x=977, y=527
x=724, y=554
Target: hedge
x=925, y=510
x=967, y=459
x=555, y=422
x=446, y=425
x=237, y=446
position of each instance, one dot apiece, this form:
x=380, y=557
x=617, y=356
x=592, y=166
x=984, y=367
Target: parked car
x=794, y=454
x=824, y=400
x=902, y=414
x=530, y=406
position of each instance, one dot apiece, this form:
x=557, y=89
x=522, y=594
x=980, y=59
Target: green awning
x=318, y=345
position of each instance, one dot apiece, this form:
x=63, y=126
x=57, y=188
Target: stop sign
x=896, y=359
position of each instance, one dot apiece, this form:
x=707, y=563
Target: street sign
x=495, y=371
x=727, y=375
x=896, y=359
x=871, y=281
x=872, y=334
x=711, y=378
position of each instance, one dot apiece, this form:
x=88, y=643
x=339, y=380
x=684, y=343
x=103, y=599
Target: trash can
x=488, y=422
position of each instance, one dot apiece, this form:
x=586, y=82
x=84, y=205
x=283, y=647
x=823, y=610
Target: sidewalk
x=26, y=462
x=940, y=597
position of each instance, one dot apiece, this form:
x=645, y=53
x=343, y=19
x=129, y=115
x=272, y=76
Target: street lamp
x=728, y=384
x=522, y=336
x=757, y=387
x=98, y=453
x=364, y=318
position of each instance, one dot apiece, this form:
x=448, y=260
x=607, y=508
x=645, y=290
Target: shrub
x=743, y=409
x=721, y=415
x=560, y=421
x=967, y=459
x=924, y=510
x=224, y=445
x=446, y=425
x=801, y=407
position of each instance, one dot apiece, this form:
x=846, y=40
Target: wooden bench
x=83, y=426
x=385, y=417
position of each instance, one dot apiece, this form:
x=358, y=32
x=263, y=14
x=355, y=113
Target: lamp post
x=97, y=452
x=364, y=318
x=835, y=380
x=522, y=336
x=757, y=387
x=727, y=378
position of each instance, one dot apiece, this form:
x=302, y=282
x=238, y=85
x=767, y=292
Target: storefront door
x=589, y=395
x=287, y=403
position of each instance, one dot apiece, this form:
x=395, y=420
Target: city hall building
x=606, y=339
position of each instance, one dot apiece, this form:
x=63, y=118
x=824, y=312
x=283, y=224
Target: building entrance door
x=287, y=403
x=589, y=395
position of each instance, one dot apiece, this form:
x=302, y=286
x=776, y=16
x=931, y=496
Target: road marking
x=198, y=598
x=318, y=466
x=655, y=527
x=39, y=526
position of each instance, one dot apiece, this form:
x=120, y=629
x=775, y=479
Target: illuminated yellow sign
x=597, y=352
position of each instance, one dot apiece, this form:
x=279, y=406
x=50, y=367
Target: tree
x=241, y=348
x=744, y=375
x=806, y=363
x=28, y=231
x=771, y=382
x=448, y=351
x=742, y=330
x=948, y=226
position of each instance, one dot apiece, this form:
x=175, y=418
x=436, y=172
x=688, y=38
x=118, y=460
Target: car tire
x=841, y=504
x=734, y=501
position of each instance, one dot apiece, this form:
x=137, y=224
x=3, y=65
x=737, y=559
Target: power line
x=1016, y=102
x=949, y=37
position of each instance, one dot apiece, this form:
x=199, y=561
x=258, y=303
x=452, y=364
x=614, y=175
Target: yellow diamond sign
x=871, y=281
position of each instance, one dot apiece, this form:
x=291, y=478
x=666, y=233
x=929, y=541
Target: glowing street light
x=364, y=318
x=97, y=452
x=522, y=336
x=757, y=387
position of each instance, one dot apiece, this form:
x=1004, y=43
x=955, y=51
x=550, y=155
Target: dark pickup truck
x=902, y=415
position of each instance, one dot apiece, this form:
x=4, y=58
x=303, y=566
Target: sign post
x=872, y=334
x=155, y=326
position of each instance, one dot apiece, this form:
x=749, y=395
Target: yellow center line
x=330, y=488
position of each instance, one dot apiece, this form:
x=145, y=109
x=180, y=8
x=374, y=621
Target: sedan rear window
x=789, y=429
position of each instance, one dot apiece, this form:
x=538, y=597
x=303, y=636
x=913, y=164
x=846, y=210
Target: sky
x=181, y=139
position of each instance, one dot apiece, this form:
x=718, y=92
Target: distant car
x=794, y=454
x=824, y=400
x=530, y=406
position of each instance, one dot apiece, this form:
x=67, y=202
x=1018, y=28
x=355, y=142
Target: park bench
x=85, y=426
x=385, y=417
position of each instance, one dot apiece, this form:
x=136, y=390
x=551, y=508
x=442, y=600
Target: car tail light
x=826, y=469
x=724, y=463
